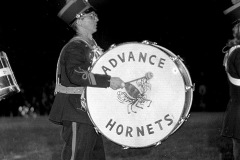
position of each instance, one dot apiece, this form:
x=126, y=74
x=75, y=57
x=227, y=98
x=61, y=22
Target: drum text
x=141, y=57
x=130, y=131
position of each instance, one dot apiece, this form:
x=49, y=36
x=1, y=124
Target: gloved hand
x=116, y=83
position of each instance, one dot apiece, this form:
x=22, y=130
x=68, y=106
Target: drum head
x=148, y=109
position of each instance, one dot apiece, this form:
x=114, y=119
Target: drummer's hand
x=116, y=83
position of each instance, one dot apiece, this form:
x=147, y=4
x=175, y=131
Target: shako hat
x=233, y=12
x=72, y=8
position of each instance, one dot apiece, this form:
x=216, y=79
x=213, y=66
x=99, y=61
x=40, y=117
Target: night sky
x=32, y=35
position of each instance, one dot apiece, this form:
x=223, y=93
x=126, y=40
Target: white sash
x=233, y=80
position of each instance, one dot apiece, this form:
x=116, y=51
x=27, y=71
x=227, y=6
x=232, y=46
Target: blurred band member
x=231, y=122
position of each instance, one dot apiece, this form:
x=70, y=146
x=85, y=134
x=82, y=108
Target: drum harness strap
x=60, y=88
x=233, y=80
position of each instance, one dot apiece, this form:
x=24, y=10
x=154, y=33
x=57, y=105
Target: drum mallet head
x=149, y=75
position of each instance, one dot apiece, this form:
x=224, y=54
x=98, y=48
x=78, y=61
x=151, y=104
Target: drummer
x=73, y=76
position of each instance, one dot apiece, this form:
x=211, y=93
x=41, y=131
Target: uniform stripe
x=74, y=135
x=70, y=2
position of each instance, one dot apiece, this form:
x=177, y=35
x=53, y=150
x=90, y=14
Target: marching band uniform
x=231, y=121
x=73, y=74
x=231, y=125
x=75, y=61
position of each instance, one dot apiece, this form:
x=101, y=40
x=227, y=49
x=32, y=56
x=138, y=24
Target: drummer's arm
x=76, y=64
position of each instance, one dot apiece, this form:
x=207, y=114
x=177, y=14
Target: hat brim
x=233, y=12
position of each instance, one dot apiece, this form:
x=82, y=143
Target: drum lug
x=158, y=143
x=112, y=46
x=149, y=42
x=125, y=147
x=181, y=121
x=176, y=58
x=190, y=87
x=184, y=119
x=97, y=130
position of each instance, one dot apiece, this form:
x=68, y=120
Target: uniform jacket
x=231, y=123
x=75, y=62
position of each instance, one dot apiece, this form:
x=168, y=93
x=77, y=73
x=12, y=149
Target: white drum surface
x=117, y=114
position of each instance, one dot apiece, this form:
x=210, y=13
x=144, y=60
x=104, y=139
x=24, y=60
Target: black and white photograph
x=120, y=80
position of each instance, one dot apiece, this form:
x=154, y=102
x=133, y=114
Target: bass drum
x=156, y=99
x=8, y=83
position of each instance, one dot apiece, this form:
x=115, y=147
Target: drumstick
x=148, y=76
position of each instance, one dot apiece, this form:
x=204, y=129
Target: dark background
x=32, y=36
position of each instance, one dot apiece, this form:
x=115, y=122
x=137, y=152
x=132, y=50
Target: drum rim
x=187, y=81
x=188, y=94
